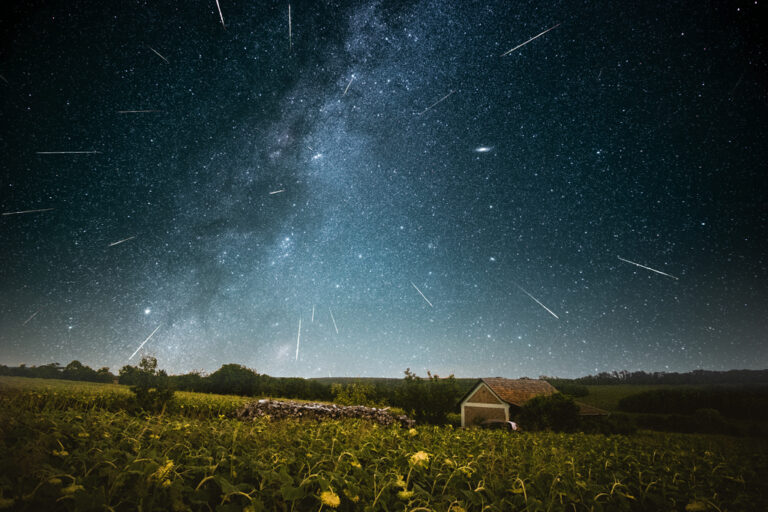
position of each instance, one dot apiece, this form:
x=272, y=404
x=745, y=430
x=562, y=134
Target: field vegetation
x=82, y=446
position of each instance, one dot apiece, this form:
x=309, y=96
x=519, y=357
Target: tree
x=151, y=387
x=555, y=412
x=428, y=400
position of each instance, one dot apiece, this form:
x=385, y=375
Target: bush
x=555, y=412
x=152, y=388
x=427, y=400
x=616, y=423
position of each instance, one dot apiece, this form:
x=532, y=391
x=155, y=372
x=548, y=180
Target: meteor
x=145, y=341
x=121, y=241
x=298, y=340
x=436, y=103
x=27, y=211
x=528, y=41
x=647, y=268
x=220, y=15
x=334, y=321
x=422, y=295
x=537, y=301
x=158, y=54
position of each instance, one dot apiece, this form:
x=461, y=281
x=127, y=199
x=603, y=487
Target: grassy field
x=70, y=446
x=607, y=396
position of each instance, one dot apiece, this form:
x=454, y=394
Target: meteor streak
x=158, y=54
x=436, y=103
x=313, y=314
x=220, y=15
x=350, y=83
x=422, y=295
x=334, y=321
x=290, y=35
x=121, y=241
x=31, y=317
x=67, y=152
x=277, y=191
x=646, y=268
x=528, y=41
x=537, y=301
x=146, y=340
x=298, y=340
x=27, y=211
x=135, y=111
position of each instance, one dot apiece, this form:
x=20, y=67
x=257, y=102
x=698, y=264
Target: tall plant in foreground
x=151, y=387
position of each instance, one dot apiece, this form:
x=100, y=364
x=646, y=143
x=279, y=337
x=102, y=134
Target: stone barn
x=499, y=399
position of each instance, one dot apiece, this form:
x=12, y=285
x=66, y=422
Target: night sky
x=382, y=151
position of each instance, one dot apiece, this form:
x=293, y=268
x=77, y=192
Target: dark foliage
x=696, y=377
x=427, y=400
x=556, y=412
x=73, y=371
x=151, y=387
x=616, y=423
x=732, y=402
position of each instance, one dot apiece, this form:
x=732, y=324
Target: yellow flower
x=355, y=464
x=83, y=434
x=166, y=483
x=60, y=453
x=330, y=499
x=405, y=495
x=54, y=481
x=162, y=472
x=72, y=489
x=419, y=459
x=413, y=432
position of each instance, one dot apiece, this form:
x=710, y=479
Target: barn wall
x=483, y=396
x=474, y=415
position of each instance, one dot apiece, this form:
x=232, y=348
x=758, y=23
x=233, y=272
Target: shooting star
x=313, y=314
x=121, y=241
x=528, y=41
x=537, y=301
x=290, y=35
x=4, y=79
x=436, y=103
x=28, y=211
x=221, y=15
x=31, y=317
x=422, y=295
x=158, y=54
x=67, y=152
x=350, y=83
x=136, y=111
x=647, y=268
x=334, y=321
x=298, y=340
x=145, y=341
x=277, y=191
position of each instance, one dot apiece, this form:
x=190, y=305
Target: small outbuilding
x=500, y=399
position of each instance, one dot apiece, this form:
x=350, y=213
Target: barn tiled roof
x=518, y=391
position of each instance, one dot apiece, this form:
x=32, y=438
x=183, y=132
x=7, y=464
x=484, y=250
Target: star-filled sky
x=354, y=188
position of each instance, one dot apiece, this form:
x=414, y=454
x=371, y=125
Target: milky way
x=390, y=179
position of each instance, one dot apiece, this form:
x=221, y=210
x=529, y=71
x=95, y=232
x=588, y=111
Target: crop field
x=69, y=446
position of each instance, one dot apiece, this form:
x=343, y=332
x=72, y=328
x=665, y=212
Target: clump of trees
x=356, y=393
x=554, y=412
x=73, y=371
x=151, y=387
x=427, y=400
x=732, y=402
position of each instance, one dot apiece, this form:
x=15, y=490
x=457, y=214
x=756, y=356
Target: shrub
x=555, y=412
x=152, y=388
